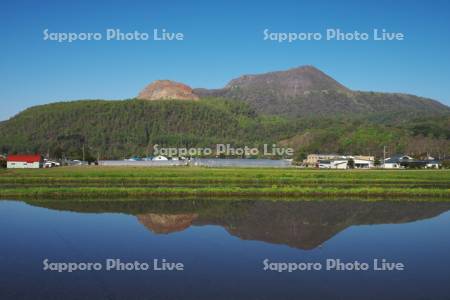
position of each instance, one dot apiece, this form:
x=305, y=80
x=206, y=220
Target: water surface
x=222, y=245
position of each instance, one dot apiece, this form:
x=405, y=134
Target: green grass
x=221, y=182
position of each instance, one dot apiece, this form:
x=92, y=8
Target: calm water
x=222, y=246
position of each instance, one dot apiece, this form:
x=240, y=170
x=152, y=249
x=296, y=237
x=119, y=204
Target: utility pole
x=83, y=153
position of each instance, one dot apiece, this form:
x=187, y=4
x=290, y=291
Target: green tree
x=351, y=163
x=2, y=162
x=446, y=164
x=300, y=156
x=377, y=162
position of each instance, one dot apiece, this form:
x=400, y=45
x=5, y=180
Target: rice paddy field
x=196, y=182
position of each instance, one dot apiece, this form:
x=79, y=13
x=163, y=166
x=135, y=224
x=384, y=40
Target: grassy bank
x=223, y=182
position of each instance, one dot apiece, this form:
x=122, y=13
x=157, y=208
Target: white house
x=24, y=161
x=312, y=160
x=333, y=164
x=51, y=164
x=160, y=157
x=335, y=161
x=363, y=163
x=394, y=162
x=433, y=164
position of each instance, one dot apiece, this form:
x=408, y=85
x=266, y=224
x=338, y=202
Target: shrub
x=2, y=162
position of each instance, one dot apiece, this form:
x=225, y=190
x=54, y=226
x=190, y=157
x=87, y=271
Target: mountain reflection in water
x=299, y=224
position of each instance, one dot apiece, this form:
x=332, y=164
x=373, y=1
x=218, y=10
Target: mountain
x=165, y=90
x=166, y=223
x=307, y=91
x=300, y=224
x=302, y=108
x=290, y=83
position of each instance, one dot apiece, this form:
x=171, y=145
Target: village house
x=395, y=162
x=335, y=161
x=160, y=157
x=433, y=164
x=364, y=162
x=405, y=161
x=24, y=161
x=312, y=160
x=333, y=164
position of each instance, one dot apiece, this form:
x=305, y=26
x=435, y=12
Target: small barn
x=333, y=164
x=160, y=157
x=24, y=161
x=397, y=161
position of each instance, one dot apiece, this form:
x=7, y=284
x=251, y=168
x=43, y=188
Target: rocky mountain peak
x=292, y=82
x=167, y=89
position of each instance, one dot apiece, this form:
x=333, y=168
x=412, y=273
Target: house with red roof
x=24, y=161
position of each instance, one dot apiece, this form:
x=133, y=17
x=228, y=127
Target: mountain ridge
x=309, y=116
x=306, y=90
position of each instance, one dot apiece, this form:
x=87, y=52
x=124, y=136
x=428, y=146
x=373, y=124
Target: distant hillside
x=119, y=129
x=302, y=108
x=307, y=91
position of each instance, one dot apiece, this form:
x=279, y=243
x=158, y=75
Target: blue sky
x=223, y=40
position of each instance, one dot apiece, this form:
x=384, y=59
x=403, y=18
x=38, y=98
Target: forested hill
x=119, y=129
